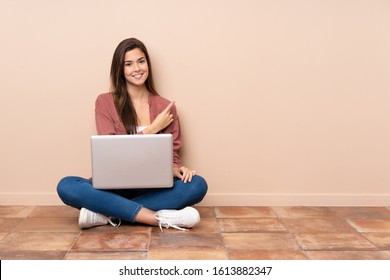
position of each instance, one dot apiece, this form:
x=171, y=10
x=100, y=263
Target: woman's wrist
x=150, y=130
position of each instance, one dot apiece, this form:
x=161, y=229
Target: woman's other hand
x=183, y=173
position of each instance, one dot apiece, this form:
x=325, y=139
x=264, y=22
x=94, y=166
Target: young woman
x=134, y=107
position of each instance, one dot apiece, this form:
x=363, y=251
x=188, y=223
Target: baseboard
x=231, y=199
x=263, y=199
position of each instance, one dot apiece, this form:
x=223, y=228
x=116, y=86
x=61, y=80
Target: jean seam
x=135, y=213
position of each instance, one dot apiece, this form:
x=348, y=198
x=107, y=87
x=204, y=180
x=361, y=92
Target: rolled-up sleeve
x=177, y=141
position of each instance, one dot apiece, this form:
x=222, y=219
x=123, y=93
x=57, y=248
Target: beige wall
x=282, y=102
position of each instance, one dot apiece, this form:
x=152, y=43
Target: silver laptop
x=132, y=161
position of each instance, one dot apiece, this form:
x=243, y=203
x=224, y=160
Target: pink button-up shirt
x=109, y=123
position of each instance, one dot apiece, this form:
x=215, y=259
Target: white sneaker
x=89, y=219
x=178, y=219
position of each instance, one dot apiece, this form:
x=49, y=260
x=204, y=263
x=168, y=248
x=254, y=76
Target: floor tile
x=259, y=241
x=362, y=212
x=302, y=212
x=54, y=212
x=381, y=240
x=333, y=241
x=185, y=241
x=236, y=233
x=37, y=241
x=346, y=255
x=8, y=224
x=3, y=234
x=15, y=211
x=205, y=211
x=317, y=225
x=244, y=212
x=98, y=255
x=48, y=225
x=93, y=241
x=251, y=225
x=32, y=255
x=123, y=228
x=370, y=225
x=193, y=254
x=267, y=255
x=209, y=225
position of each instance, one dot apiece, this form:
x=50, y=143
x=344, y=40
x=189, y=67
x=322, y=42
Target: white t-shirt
x=140, y=128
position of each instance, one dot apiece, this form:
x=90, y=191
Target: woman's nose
x=136, y=67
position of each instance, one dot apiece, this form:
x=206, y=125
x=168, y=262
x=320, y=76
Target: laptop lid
x=132, y=161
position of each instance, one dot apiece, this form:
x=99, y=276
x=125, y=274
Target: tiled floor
x=287, y=233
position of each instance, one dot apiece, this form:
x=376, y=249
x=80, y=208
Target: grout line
x=150, y=229
x=346, y=220
x=220, y=234
x=71, y=246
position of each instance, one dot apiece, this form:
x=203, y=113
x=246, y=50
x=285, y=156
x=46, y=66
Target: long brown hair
x=122, y=100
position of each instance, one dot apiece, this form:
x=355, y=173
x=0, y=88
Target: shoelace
x=114, y=224
x=166, y=224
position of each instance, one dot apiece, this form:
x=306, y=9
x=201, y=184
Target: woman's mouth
x=137, y=76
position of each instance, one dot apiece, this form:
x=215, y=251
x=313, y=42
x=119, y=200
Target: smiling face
x=136, y=69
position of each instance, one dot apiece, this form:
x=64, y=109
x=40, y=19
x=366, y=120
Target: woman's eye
x=127, y=64
x=142, y=61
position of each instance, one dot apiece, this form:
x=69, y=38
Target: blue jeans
x=125, y=204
